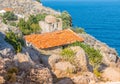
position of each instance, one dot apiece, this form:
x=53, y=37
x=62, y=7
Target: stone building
x=51, y=24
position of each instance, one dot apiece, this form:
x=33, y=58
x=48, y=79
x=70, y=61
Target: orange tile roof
x=52, y=39
x=8, y=9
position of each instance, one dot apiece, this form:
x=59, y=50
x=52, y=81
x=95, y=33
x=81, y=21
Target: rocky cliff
x=26, y=7
x=33, y=66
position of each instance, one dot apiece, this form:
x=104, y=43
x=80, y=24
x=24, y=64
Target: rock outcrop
x=23, y=61
x=40, y=75
x=111, y=74
x=53, y=59
x=86, y=78
x=80, y=58
x=65, y=66
x=2, y=81
x=109, y=54
x=65, y=81
x=26, y=7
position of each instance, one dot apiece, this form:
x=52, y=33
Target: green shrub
x=97, y=73
x=38, y=0
x=13, y=24
x=4, y=21
x=68, y=54
x=31, y=25
x=66, y=19
x=10, y=16
x=41, y=17
x=15, y=41
x=71, y=71
x=78, y=30
x=94, y=56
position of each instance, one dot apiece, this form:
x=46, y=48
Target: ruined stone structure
x=51, y=24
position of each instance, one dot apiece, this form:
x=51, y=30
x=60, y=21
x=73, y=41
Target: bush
x=78, y=30
x=38, y=0
x=10, y=16
x=66, y=19
x=68, y=55
x=15, y=41
x=94, y=56
x=41, y=17
x=31, y=25
x=13, y=24
x=97, y=73
x=4, y=21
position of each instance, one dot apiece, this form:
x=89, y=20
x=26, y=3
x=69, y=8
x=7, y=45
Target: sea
x=101, y=19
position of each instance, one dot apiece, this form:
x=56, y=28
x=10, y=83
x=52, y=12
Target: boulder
x=2, y=67
x=6, y=50
x=40, y=75
x=111, y=74
x=34, y=54
x=86, y=78
x=65, y=81
x=23, y=61
x=53, y=59
x=80, y=57
x=65, y=66
x=2, y=81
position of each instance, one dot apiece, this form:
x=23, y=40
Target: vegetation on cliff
x=94, y=56
x=32, y=24
x=16, y=41
x=68, y=55
x=67, y=20
x=9, y=16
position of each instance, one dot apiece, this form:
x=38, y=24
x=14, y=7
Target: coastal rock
x=118, y=63
x=23, y=61
x=65, y=66
x=6, y=50
x=34, y=54
x=53, y=59
x=109, y=54
x=111, y=74
x=86, y=78
x=40, y=75
x=80, y=57
x=2, y=67
x=2, y=81
x=27, y=7
x=65, y=81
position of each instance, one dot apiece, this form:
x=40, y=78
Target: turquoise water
x=100, y=19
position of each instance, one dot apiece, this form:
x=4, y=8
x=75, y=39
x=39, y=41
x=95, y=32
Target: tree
x=67, y=20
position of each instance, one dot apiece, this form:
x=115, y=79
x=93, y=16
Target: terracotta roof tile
x=8, y=9
x=53, y=39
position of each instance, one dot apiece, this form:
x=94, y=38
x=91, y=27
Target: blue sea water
x=100, y=19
